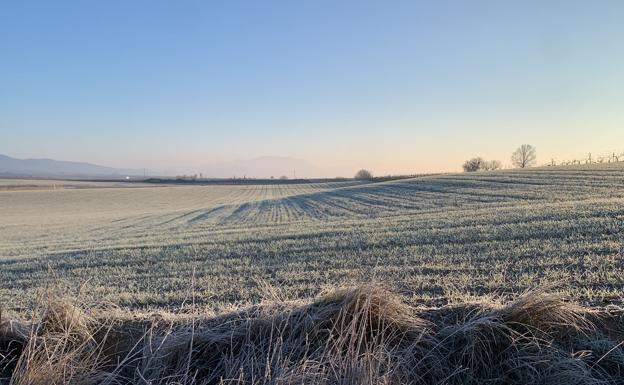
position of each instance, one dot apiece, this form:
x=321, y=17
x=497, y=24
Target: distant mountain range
x=54, y=168
x=262, y=167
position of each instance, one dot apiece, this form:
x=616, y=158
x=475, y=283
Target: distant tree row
x=187, y=177
x=523, y=157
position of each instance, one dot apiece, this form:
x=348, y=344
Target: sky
x=393, y=86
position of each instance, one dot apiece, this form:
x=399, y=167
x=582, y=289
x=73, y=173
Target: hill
x=54, y=168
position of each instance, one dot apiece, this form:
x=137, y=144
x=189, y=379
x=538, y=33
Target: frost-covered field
x=435, y=239
x=52, y=184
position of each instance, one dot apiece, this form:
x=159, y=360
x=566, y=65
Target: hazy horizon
x=396, y=88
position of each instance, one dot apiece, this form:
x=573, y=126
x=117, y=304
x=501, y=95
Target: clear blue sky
x=389, y=85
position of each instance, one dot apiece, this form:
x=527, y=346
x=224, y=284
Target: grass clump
x=359, y=335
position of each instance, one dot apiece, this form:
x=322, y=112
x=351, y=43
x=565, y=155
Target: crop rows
x=435, y=238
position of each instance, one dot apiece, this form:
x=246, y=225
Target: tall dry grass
x=361, y=335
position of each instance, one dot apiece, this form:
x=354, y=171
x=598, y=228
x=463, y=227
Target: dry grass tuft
x=547, y=313
x=361, y=335
x=13, y=338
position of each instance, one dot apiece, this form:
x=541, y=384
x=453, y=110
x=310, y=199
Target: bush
x=479, y=164
x=491, y=165
x=474, y=164
x=363, y=175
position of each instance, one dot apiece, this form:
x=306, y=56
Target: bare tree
x=283, y=177
x=491, y=165
x=363, y=175
x=474, y=164
x=524, y=156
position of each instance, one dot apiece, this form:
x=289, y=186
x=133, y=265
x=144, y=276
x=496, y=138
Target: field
x=509, y=277
x=10, y=184
x=436, y=239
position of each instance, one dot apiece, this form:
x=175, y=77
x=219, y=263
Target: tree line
x=524, y=156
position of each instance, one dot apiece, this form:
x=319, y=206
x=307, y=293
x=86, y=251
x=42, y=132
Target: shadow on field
x=361, y=335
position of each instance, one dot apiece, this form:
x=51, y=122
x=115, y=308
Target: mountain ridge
x=10, y=166
x=259, y=167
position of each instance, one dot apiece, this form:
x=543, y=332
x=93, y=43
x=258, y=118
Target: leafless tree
x=491, y=165
x=283, y=177
x=524, y=156
x=474, y=164
x=363, y=175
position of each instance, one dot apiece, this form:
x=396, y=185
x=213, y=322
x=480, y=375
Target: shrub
x=474, y=164
x=363, y=175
